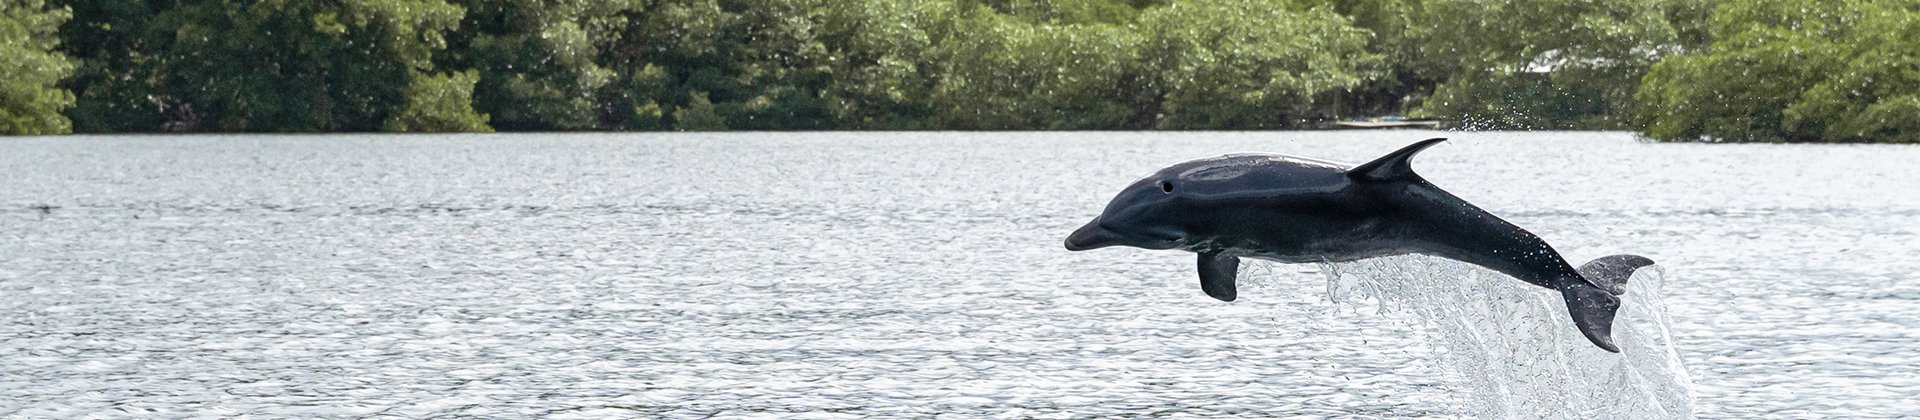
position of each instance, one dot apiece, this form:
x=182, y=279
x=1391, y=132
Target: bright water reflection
x=1513, y=348
x=863, y=274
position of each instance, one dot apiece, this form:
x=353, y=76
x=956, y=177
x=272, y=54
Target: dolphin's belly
x=1299, y=256
x=1307, y=234
x=1289, y=259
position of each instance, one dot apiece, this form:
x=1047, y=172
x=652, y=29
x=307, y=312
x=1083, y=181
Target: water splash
x=1512, y=345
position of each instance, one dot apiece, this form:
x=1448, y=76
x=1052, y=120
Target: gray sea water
x=832, y=275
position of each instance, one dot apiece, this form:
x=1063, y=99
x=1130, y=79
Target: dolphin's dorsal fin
x=1393, y=165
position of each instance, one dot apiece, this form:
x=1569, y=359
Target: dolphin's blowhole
x=1166, y=186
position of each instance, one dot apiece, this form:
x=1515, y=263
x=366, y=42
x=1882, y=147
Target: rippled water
x=1514, y=349
x=854, y=275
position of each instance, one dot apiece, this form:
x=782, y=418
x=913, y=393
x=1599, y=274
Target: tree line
x=1712, y=70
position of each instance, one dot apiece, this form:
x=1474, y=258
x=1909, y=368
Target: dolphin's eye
x=1166, y=186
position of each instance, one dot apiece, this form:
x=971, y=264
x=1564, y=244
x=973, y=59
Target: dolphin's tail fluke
x=1593, y=300
x=1611, y=272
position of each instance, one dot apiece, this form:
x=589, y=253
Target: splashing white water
x=1513, y=346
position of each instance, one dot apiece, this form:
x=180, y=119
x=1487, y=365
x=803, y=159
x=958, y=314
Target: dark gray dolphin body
x=1293, y=210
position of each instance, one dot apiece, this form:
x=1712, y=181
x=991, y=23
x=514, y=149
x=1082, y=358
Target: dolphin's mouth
x=1092, y=236
x=1096, y=235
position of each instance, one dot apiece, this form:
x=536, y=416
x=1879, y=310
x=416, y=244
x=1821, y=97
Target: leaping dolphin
x=1294, y=210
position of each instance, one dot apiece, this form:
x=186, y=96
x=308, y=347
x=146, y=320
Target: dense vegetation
x=1724, y=70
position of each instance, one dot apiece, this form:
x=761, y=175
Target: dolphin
x=1293, y=209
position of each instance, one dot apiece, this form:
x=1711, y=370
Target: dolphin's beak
x=1092, y=236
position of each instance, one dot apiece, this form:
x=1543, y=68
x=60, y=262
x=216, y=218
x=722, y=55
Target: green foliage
x=1059, y=11
x=1509, y=100
x=642, y=90
x=1014, y=74
x=1216, y=64
x=1756, y=70
x=30, y=103
x=1553, y=64
x=440, y=103
x=762, y=63
x=777, y=67
x=1689, y=20
x=1188, y=65
x=1404, y=71
x=1875, y=94
x=884, y=74
x=540, y=60
x=118, y=52
x=270, y=65
x=1793, y=70
x=699, y=116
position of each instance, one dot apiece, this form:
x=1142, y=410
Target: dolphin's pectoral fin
x=1611, y=272
x=1392, y=166
x=1217, y=273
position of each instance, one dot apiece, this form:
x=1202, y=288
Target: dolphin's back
x=1269, y=206
x=1253, y=175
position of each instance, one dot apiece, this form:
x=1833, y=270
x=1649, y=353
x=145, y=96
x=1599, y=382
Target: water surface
x=853, y=275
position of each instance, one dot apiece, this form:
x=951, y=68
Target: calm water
x=853, y=275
